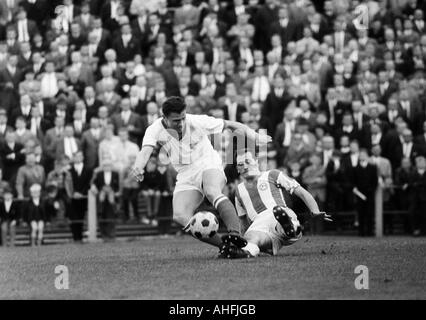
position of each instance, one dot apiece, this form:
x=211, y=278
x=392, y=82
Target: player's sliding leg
x=257, y=242
x=288, y=221
x=213, y=183
x=268, y=233
x=184, y=205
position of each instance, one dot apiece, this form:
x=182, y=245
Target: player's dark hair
x=173, y=105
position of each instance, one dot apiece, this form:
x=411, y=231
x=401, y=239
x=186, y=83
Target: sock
x=252, y=248
x=227, y=213
x=186, y=228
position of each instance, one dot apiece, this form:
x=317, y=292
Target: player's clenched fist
x=264, y=138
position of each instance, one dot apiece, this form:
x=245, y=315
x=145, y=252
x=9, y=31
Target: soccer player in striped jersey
x=266, y=221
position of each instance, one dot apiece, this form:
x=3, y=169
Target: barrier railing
x=92, y=223
x=92, y=217
x=378, y=212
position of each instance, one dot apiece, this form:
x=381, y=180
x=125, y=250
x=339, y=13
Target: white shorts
x=266, y=223
x=192, y=177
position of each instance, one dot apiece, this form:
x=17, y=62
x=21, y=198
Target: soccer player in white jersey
x=185, y=139
x=267, y=223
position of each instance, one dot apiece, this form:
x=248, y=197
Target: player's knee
x=211, y=192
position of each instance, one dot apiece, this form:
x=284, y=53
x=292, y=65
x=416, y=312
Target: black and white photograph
x=210, y=154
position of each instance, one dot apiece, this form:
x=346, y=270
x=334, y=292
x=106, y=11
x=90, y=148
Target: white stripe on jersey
x=246, y=202
x=264, y=190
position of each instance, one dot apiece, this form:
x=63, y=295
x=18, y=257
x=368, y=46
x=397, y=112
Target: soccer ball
x=203, y=225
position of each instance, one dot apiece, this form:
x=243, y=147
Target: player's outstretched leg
x=288, y=221
x=213, y=183
x=230, y=251
x=184, y=205
x=256, y=242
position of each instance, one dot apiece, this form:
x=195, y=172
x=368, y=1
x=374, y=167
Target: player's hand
x=264, y=138
x=138, y=174
x=325, y=216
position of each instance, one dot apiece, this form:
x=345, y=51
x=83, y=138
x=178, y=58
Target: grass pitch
x=320, y=267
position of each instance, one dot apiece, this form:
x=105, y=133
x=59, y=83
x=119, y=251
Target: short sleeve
x=209, y=124
x=151, y=135
x=287, y=183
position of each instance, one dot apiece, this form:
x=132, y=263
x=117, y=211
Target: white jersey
x=195, y=148
x=265, y=194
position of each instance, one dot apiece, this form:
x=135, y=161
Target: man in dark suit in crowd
x=103, y=36
x=333, y=108
x=85, y=18
x=25, y=56
x=126, y=45
x=286, y=27
x=365, y=183
x=412, y=111
x=276, y=102
x=284, y=135
x=230, y=13
x=128, y=118
x=23, y=111
x=109, y=14
x=418, y=196
x=45, y=106
x=10, y=77
x=80, y=176
x=150, y=116
x=347, y=128
x=9, y=216
x=420, y=140
x=126, y=78
x=90, y=144
x=139, y=24
x=152, y=30
x=318, y=25
x=399, y=144
x=4, y=127
x=38, y=125
x=392, y=144
x=79, y=125
x=12, y=157
x=68, y=144
x=335, y=180
x=92, y=104
x=393, y=112
x=105, y=185
x=387, y=87
x=36, y=11
x=232, y=109
x=360, y=118
x=51, y=139
x=26, y=29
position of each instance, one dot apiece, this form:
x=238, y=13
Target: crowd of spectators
x=80, y=81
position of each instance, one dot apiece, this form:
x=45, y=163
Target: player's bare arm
x=251, y=134
x=310, y=202
x=141, y=161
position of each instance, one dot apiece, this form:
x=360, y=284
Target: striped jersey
x=264, y=194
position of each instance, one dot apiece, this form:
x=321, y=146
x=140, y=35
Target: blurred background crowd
x=80, y=81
